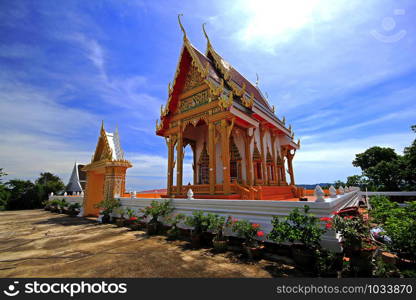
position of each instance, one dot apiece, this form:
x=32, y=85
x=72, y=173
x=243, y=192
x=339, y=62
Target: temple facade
x=106, y=173
x=241, y=149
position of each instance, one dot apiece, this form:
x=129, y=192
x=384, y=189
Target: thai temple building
x=77, y=181
x=241, y=149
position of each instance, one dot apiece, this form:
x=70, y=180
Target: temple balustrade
x=255, y=211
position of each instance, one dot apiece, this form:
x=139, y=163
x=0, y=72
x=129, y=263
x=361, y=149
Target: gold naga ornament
x=225, y=102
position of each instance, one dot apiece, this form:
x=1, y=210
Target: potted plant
x=154, y=211
x=131, y=220
x=47, y=205
x=301, y=229
x=217, y=225
x=62, y=205
x=173, y=221
x=120, y=221
x=356, y=241
x=54, y=205
x=74, y=209
x=199, y=223
x=249, y=232
x=106, y=208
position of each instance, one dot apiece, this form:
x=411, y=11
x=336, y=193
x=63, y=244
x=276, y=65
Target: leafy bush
x=74, y=208
x=353, y=230
x=217, y=225
x=382, y=208
x=107, y=205
x=398, y=223
x=158, y=209
x=198, y=221
x=248, y=231
x=62, y=204
x=129, y=212
x=402, y=232
x=297, y=227
x=173, y=221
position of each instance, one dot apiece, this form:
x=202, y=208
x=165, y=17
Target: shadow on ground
x=37, y=243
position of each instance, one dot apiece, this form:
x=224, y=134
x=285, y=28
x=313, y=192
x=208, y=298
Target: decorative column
x=283, y=152
x=249, y=162
x=225, y=154
x=212, y=160
x=290, y=156
x=274, y=165
x=170, y=142
x=263, y=160
x=179, y=159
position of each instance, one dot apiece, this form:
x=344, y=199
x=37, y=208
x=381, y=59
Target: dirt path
x=37, y=243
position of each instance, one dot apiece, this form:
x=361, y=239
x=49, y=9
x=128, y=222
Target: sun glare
x=276, y=20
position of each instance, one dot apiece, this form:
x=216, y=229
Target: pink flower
x=255, y=226
x=133, y=219
x=260, y=233
x=335, y=213
x=326, y=219
x=328, y=225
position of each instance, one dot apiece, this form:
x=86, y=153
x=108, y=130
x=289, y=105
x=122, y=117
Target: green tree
x=339, y=183
x=372, y=156
x=408, y=171
x=4, y=193
x=22, y=194
x=46, y=184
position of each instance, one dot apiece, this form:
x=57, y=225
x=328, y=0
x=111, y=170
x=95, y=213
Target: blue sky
x=343, y=73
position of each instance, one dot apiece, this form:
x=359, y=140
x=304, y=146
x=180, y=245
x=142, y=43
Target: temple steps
x=277, y=192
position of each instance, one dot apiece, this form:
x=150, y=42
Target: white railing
x=255, y=211
x=403, y=194
x=69, y=199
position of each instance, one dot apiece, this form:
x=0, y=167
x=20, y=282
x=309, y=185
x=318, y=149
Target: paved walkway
x=37, y=243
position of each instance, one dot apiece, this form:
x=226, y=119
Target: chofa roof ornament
x=181, y=26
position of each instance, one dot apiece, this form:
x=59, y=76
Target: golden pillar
x=170, y=142
x=179, y=159
x=225, y=153
x=263, y=160
x=212, y=156
x=249, y=163
x=274, y=165
x=290, y=166
x=284, y=155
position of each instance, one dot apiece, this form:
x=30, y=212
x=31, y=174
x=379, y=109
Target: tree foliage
x=385, y=170
x=25, y=194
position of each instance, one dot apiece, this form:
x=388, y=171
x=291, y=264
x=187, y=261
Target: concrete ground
x=38, y=243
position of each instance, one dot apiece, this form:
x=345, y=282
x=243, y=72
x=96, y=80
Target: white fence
x=255, y=211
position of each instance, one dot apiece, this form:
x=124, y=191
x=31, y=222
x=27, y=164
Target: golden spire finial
x=205, y=33
x=102, y=125
x=182, y=28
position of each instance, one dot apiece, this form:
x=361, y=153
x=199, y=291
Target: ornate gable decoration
x=193, y=78
x=194, y=101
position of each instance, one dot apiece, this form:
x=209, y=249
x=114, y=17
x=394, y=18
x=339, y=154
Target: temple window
x=235, y=162
x=203, y=164
x=257, y=164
